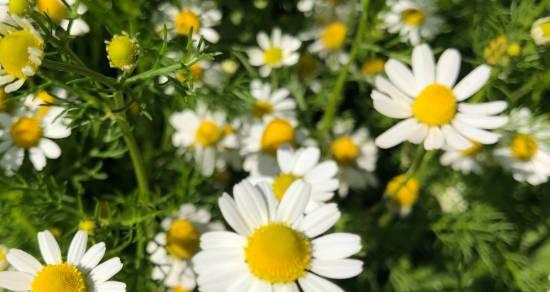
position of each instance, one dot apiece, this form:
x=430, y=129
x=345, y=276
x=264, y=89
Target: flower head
x=122, y=51
x=275, y=52
x=271, y=103
x=402, y=191
x=540, y=31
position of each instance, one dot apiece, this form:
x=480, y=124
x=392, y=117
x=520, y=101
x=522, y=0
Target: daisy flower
x=356, y=156
x=58, y=12
x=329, y=38
x=277, y=103
x=190, y=16
x=275, y=246
x=3, y=261
x=204, y=134
x=540, y=31
x=122, y=51
x=173, y=249
x=262, y=140
x=32, y=133
x=21, y=52
x=275, y=52
x=466, y=161
x=414, y=20
x=303, y=164
x=80, y=272
x=432, y=106
x=402, y=193
x=527, y=150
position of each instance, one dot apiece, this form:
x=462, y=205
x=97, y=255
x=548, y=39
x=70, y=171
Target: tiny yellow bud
x=122, y=52
x=514, y=49
x=88, y=226
x=230, y=66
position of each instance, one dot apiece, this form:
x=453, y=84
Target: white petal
x=488, y=108
x=337, y=269
x=314, y=283
x=232, y=216
x=49, y=248
x=386, y=86
x=23, y=261
x=92, y=257
x=336, y=246
x=221, y=239
x=106, y=270
x=263, y=40
x=50, y=148
x=325, y=169
x=77, y=248
x=435, y=139
x=285, y=158
x=454, y=139
x=396, y=134
x=111, y=286
x=294, y=202
x=251, y=204
x=482, y=122
x=390, y=107
x=418, y=135
x=14, y=86
x=306, y=159
x=481, y=136
x=472, y=82
x=37, y=158
x=320, y=220
x=16, y=281
x=423, y=65
x=448, y=67
x=401, y=76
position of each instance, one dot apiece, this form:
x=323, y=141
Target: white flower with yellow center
x=527, y=150
x=402, y=193
x=268, y=103
x=330, y=38
x=432, y=106
x=275, y=246
x=81, y=272
x=466, y=161
x=195, y=17
x=356, y=156
x=21, y=52
x=275, y=52
x=414, y=20
x=58, y=12
x=173, y=249
x=204, y=134
x=540, y=31
x=3, y=260
x=263, y=139
x=303, y=164
x=32, y=133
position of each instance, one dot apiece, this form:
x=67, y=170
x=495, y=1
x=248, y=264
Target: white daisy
x=197, y=16
x=329, y=38
x=303, y=164
x=80, y=272
x=432, y=106
x=32, y=133
x=58, y=12
x=466, y=161
x=276, y=247
x=268, y=103
x=540, y=31
x=527, y=150
x=173, y=248
x=414, y=20
x=21, y=52
x=203, y=133
x=275, y=52
x=356, y=155
x=3, y=260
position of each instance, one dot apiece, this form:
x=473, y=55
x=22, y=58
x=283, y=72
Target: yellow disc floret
x=179, y=289
x=208, y=133
x=19, y=7
x=435, y=105
x=403, y=192
x=261, y=108
x=87, y=225
x=186, y=21
x=26, y=132
x=182, y=239
x=273, y=56
x=122, y=52
x=14, y=52
x=473, y=150
x=59, y=278
x=413, y=17
x=276, y=133
x=344, y=150
x=334, y=35
x=277, y=253
x=524, y=147
x=55, y=9
x=281, y=184
x=45, y=100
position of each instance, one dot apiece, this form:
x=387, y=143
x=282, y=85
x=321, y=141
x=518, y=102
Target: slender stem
x=80, y=70
x=155, y=72
x=336, y=95
x=413, y=169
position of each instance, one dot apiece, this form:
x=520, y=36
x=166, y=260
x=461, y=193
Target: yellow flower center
x=276, y=133
x=473, y=150
x=186, y=21
x=277, y=253
x=2, y=255
x=273, y=56
x=545, y=27
x=122, y=51
x=179, y=289
x=261, y=108
x=26, y=132
x=14, y=52
x=281, y=184
x=45, y=99
x=524, y=147
x=413, y=17
x=182, y=239
x=344, y=150
x=401, y=193
x=87, y=225
x=373, y=67
x=18, y=7
x=59, y=278
x=435, y=105
x=513, y=49
x=334, y=35
x=55, y=9
x=208, y=133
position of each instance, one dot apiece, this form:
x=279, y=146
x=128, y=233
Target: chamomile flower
x=173, y=249
x=58, y=12
x=432, y=106
x=196, y=75
x=303, y=164
x=262, y=140
x=203, y=133
x=122, y=51
x=527, y=149
x=330, y=38
x=80, y=272
x=275, y=246
x=21, y=52
x=195, y=17
x=402, y=192
x=268, y=102
x=275, y=52
x=32, y=132
x=414, y=20
x=356, y=156
x=540, y=31
x=3, y=260
x=466, y=161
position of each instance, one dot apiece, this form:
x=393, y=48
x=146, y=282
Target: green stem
x=336, y=96
x=411, y=172
x=154, y=73
x=80, y=70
